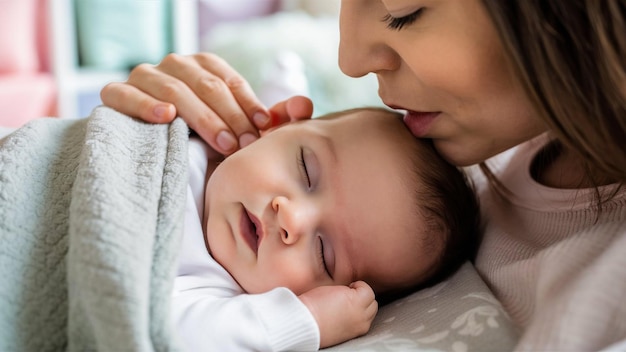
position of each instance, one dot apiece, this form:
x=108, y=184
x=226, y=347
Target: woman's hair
x=570, y=56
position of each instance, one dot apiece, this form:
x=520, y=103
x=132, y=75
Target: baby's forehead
x=360, y=117
x=366, y=126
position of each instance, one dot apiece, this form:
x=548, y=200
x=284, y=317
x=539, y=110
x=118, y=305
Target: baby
x=288, y=240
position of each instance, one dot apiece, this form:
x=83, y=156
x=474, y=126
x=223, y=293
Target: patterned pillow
x=460, y=314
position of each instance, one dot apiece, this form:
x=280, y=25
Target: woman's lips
x=419, y=122
x=251, y=230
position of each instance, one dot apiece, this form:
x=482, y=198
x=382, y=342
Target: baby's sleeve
x=273, y=321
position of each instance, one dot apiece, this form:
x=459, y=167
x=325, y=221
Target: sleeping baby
x=290, y=242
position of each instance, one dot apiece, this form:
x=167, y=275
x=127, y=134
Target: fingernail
x=161, y=111
x=226, y=140
x=260, y=119
x=246, y=138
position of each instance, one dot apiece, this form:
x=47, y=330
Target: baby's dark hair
x=446, y=203
x=450, y=207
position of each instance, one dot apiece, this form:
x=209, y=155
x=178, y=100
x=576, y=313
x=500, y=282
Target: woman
x=478, y=78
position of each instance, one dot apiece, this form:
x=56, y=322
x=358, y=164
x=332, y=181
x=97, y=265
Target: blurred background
x=56, y=55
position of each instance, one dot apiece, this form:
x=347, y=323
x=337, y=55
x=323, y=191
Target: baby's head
x=345, y=197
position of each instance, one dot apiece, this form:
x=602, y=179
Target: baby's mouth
x=250, y=229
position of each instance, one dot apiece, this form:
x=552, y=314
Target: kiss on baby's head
x=348, y=196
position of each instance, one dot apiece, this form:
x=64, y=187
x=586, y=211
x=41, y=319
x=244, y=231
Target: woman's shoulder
x=512, y=181
x=511, y=161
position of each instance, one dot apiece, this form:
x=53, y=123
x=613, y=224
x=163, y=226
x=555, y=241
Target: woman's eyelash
x=322, y=258
x=303, y=166
x=397, y=23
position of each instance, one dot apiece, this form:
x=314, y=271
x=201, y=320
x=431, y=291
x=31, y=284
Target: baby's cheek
x=299, y=283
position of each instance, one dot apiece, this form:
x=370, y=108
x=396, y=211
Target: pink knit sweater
x=558, y=268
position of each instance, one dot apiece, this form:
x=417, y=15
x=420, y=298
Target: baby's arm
x=209, y=320
x=341, y=312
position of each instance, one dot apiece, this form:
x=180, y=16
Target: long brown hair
x=570, y=55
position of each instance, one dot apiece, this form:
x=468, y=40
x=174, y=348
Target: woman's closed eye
x=397, y=23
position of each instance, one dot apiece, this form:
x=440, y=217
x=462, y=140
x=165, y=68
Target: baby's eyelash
x=397, y=23
x=322, y=258
x=303, y=166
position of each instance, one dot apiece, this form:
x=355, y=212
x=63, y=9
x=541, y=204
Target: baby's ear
x=295, y=108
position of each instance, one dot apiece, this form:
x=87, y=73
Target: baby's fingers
x=365, y=299
x=363, y=291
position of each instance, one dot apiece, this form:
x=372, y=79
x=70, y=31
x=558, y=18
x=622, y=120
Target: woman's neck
x=559, y=167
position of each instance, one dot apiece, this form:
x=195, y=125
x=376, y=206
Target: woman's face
x=442, y=61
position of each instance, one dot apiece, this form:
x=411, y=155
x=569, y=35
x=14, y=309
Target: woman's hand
x=212, y=98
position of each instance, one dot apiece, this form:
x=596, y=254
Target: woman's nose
x=363, y=50
x=294, y=220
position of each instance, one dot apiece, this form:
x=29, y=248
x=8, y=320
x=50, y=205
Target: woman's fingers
x=252, y=107
x=199, y=116
x=220, y=88
x=212, y=97
x=203, y=89
x=133, y=102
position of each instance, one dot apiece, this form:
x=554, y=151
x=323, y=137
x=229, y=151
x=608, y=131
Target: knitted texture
x=90, y=219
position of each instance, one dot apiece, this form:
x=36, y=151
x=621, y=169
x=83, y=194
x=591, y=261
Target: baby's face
x=321, y=202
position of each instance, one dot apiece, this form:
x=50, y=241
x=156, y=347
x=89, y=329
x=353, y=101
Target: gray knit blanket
x=91, y=213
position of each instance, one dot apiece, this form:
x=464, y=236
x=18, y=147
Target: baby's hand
x=341, y=312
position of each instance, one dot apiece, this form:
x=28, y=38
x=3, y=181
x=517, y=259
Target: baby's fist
x=341, y=312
